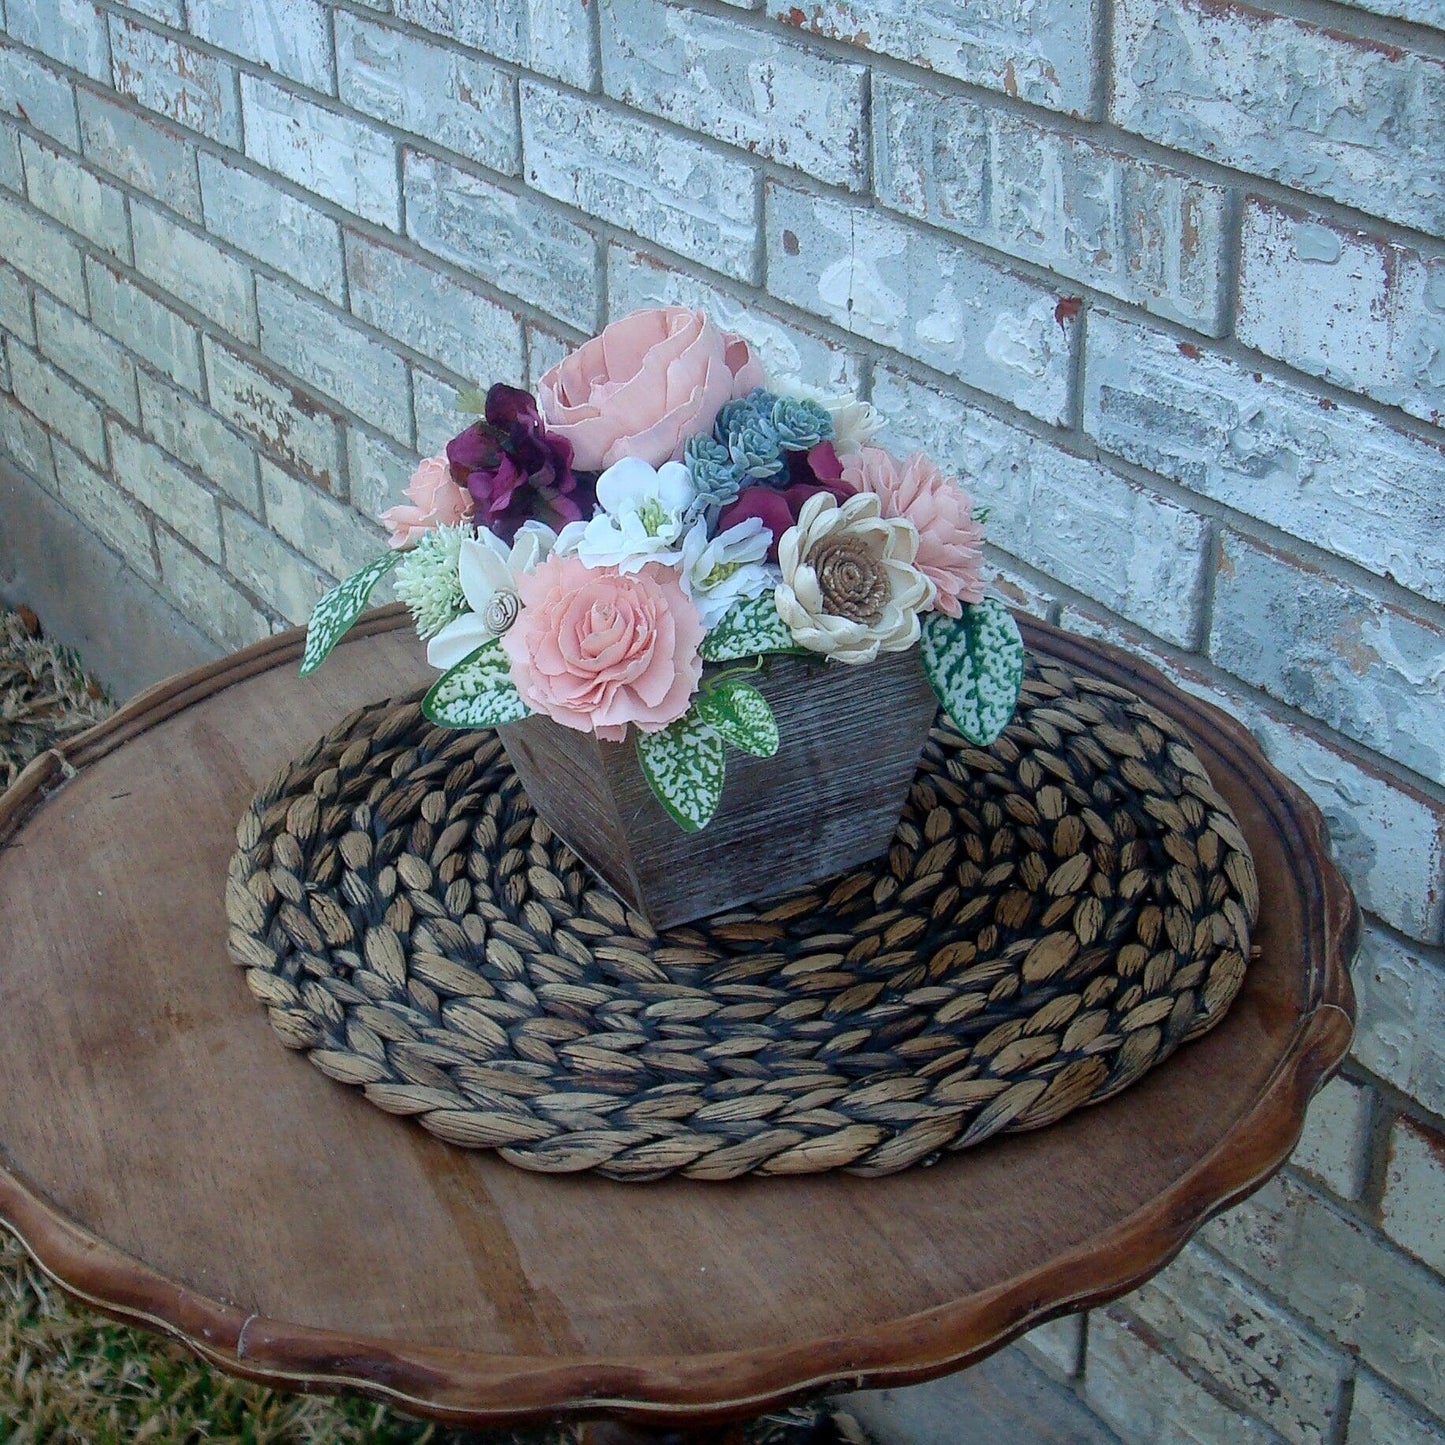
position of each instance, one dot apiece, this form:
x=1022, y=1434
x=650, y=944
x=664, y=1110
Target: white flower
x=640, y=517
x=488, y=570
x=849, y=586
x=730, y=567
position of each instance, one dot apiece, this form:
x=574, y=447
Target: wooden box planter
x=828, y=800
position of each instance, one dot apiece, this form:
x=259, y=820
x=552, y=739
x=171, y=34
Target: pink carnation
x=949, y=540
x=647, y=383
x=595, y=650
x=437, y=502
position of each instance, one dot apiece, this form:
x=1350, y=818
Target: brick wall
x=1165, y=278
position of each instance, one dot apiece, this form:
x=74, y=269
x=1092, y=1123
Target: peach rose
x=645, y=385
x=950, y=542
x=595, y=650
x=437, y=502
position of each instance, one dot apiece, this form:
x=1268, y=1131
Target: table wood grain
x=166, y=1160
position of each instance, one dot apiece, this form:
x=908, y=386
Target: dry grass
x=70, y=1377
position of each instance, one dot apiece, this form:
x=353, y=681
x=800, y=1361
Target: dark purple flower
x=515, y=470
x=778, y=507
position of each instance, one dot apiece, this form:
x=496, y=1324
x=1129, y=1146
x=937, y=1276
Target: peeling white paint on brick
x=1413, y=1202
x=150, y=155
x=291, y=37
x=186, y=85
x=37, y=93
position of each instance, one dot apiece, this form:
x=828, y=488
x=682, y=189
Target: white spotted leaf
x=739, y=714
x=338, y=609
x=683, y=765
x=477, y=693
x=976, y=665
x=751, y=628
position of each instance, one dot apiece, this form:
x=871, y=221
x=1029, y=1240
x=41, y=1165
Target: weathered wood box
x=828, y=800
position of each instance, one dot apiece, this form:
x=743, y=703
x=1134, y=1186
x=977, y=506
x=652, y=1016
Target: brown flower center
x=853, y=581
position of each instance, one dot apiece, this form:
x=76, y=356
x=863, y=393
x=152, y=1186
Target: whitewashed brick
x=789, y=353
x=26, y=442
x=1425, y=12
x=186, y=85
x=12, y=169
x=1058, y=1345
x=749, y=87
x=452, y=99
x=528, y=249
x=1355, y=308
x=1138, y=230
x=151, y=156
x=34, y=92
x=378, y=471
x=80, y=201
x=200, y=439
x=1348, y=1283
x=1336, y=1137
x=288, y=584
x=545, y=349
x=1095, y=531
x=1044, y=55
x=288, y=423
x=551, y=37
x=88, y=355
x=671, y=190
x=1370, y=670
x=433, y=313
x=328, y=533
x=290, y=37
x=1333, y=476
x=1380, y=1417
x=917, y=292
x=1336, y=115
x=168, y=12
x=15, y=312
x=54, y=401
x=335, y=357
x=337, y=156
x=106, y=510
x=1413, y=1203
x=70, y=31
x=204, y=595
x=258, y=217
x=1400, y=1033
x=164, y=489
x=1022, y=591
x=42, y=251
x=194, y=270
x=434, y=400
x=1279, y=1372
x=152, y=330
x=1148, y=1398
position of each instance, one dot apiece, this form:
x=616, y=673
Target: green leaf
x=976, y=664
x=339, y=608
x=472, y=402
x=739, y=714
x=477, y=693
x=683, y=765
x=749, y=628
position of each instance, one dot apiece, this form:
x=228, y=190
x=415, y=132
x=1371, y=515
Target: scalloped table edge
x=461, y=1387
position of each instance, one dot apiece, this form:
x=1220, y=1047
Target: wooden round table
x=166, y=1161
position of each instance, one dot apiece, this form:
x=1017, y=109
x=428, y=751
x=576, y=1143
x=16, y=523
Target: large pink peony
x=949, y=540
x=646, y=384
x=436, y=501
x=595, y=650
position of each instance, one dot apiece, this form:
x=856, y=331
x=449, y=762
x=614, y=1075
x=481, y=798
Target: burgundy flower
x=515, y=470
x=778, y=507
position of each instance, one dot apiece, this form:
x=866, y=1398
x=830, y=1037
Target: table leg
x=619, y=1432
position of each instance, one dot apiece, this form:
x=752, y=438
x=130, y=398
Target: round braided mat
x=1056, y=914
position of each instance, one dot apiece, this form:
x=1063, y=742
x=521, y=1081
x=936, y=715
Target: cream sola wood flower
x=850, y=589
x=487, y=571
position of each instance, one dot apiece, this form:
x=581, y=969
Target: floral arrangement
x=599, y=552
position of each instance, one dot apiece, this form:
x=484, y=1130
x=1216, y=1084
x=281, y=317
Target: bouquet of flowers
x=621, y=551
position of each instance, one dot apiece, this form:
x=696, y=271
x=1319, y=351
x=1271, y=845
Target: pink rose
x=950, y=542
x=595, y=650
x=437, y=502
x=645, y=385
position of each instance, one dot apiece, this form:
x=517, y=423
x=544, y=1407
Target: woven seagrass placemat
x=1056, y=915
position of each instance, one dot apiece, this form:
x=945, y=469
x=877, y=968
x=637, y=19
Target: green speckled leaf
x=339, y=608
x=683, y=765
x=750, y=628
x=477, y=693
x=976, y=665
x=739, y=714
